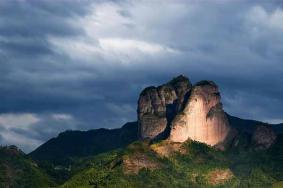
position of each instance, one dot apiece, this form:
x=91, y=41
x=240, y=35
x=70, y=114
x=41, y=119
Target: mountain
x=182, y=138
x=250, y=125
x=71, y=144
x=157, y=107
x=187, y=164
x=17, y=170
x=254, y=158
x=94, y=163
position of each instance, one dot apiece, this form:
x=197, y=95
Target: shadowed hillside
x=71, y=144
x=17, y=170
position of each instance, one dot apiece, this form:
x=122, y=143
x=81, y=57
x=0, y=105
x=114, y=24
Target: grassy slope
x=196, y=166
x=16, y=170
x=251, y=169
x=179, y=170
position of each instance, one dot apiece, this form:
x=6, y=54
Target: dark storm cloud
x=38, y=18
x=81, y=64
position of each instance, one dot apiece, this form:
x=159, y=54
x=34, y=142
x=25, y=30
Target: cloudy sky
x=81, y=64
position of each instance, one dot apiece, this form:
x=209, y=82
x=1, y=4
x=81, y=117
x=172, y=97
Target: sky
x=80, y=65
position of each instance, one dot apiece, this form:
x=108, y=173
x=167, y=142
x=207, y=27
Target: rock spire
x=179, y=111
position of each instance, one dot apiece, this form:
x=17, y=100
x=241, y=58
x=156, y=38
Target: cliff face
x=157, y=106
x=203, y=118
x=183, y=112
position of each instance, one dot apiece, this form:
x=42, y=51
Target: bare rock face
x=167, y=148
x=219, y=176
x=133, y=164
x=263, y=137
x=157, y=106
x=202, y=118
x=183, y=112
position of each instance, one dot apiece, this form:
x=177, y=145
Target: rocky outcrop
x=203, y=118
x=134, y=163
x=219, y=176
x=183, y=112
x=158, y=105
x=167, y=148
x=138, y=156
x=263, y=137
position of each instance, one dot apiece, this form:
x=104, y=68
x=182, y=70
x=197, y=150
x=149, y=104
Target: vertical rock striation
x=203, y=118
x=183, y=112
x=157, y=106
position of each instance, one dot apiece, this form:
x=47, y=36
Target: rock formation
x=134, y=163
x=203, y=118
x=181, y=112
x=158, y=105
x=263, y=137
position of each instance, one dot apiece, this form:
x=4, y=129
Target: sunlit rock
x=179, y=112
x=203, y=118
x=157, y=106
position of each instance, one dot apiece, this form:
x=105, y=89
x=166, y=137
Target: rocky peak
x=263, y=137
x=182, y=86
x=180, y=112
x=11, y=150
x=206, y=83
x=203, y=118
x=158, y=105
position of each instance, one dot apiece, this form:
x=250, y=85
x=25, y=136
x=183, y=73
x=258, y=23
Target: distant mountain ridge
x=86, y=143
x=71, y=144
x=250, y=125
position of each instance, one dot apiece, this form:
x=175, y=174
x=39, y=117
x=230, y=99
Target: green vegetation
x=201, y=166
x=94, y=163
x=74, y=144
x=190, y=170
x=192, y=165
x=16, y=170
